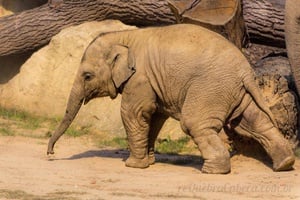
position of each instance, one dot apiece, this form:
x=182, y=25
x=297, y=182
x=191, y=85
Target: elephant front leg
x=136, y=120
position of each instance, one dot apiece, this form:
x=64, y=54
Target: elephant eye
x=87, y=76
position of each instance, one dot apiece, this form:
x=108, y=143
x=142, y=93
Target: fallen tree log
x=264, y=21
x=222, y=16
x=31, y=29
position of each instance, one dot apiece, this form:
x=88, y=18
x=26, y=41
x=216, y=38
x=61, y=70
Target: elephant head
x=292, y=32
x=103, y=70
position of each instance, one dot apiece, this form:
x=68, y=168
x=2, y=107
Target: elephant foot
x=151, y=158
x=137, y=163
x=220, y=167
x=284, y=165
x=216, y=156
x=282, y=155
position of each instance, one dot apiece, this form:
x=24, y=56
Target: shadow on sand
x=175, y=159
x=193, y=161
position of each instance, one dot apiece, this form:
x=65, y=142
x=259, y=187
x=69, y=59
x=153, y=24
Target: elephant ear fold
x=123, y=64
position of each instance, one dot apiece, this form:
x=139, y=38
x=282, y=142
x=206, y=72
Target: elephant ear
x=122, y=63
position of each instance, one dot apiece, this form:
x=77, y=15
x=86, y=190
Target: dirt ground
x=80, y=170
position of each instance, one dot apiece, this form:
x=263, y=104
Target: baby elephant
x=183, y=71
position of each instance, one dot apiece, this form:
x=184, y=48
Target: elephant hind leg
x=203, y=126
x=256, y=124
x=216, y=156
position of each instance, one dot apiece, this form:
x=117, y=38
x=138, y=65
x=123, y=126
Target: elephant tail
x=252, y=88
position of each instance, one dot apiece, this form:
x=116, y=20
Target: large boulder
x=45, y=80
x=10, y=65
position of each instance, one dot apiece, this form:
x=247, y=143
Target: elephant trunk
x=74, y=103
x=292, y=29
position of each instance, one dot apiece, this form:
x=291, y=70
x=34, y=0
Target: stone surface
x=44, y=82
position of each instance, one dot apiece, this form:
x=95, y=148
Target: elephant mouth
x=93, y=94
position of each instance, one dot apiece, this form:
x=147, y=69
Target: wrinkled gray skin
x=183, y=71
x=292, y=34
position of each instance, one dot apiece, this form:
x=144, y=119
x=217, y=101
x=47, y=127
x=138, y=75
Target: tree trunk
x=264, y=21
x=34, y=28
x=31, y=29
x=222, y=16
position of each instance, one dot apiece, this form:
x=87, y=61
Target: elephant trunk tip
x=74, y=103
x=50, y=147
x=52, y=141
x=50, y=152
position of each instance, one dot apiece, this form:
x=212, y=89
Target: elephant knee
x=199, y=127
x=139, y=111
x=147, y=110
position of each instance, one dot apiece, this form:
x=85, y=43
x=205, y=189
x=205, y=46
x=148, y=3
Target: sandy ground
x=79, y=170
